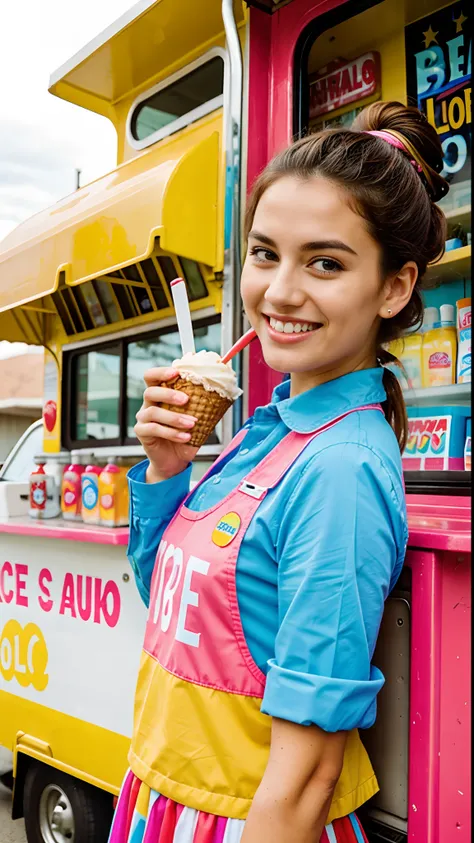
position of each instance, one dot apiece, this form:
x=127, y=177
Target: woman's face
x=311, y=282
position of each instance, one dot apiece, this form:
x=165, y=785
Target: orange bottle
x=113, y=496
x=71, y=497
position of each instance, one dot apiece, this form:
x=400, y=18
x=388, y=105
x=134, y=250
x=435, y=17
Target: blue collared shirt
x=320, y=556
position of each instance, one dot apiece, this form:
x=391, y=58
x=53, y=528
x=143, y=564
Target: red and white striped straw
x=245, y=340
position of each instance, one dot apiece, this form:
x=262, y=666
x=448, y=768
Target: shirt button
x=244, y=451
x=216, y=481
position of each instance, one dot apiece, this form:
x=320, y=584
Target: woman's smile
x=289, y=329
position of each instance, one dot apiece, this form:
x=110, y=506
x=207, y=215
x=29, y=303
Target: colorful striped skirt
x=144, y=816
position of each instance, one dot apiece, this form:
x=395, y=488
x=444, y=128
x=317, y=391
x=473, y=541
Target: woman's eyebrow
x=262, y=237
x=315, y=245
x=312, y=246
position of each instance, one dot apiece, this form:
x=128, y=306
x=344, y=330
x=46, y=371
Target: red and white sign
x=349, y=82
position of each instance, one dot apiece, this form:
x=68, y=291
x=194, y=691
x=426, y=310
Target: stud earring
x=389, y=311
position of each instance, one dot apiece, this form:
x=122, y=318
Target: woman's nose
x=284, y=289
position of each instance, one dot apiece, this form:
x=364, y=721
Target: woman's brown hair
x=394, y=192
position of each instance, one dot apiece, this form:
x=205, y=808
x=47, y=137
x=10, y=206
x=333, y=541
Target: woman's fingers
x=154, y=376
x=163, y=395
x=158, y=415
x=150, y=431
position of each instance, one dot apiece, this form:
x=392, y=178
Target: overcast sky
x=42, y=138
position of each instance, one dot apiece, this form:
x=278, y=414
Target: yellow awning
x=152, y=36
x=169, y=192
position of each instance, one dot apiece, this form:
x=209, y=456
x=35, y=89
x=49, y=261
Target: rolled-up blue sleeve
x=340, y=549
x=152, y=506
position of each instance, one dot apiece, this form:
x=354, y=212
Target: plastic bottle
x=467, y=447
x=395, y=347
x=464, y=340
x=90, y=494
x=71, y=497
x=430, y=317
x=440, y=349
x=44, y=497
x=55, y=467
x=113, y=496
x=411, y=358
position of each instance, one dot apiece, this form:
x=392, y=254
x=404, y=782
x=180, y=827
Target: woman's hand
x=295, y=794
x=162, y=433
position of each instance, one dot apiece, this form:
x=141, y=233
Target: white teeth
x=290, y=327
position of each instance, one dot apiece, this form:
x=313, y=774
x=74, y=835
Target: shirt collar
x=315, y=407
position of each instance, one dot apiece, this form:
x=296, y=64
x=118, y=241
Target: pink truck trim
x=56, y=528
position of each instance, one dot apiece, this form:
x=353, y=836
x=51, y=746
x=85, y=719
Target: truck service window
x=187, y=94
x=98, y=393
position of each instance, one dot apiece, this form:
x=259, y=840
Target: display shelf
x=453, y=265
x=461, y=215
x=456, y=393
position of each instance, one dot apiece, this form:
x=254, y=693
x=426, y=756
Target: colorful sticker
x=38, y=494
x=107, y=501
x=69, y=494
x=90, y=494
x=439, y=360
x=226, y=529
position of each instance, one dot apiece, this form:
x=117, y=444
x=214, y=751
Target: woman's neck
x=302, y=381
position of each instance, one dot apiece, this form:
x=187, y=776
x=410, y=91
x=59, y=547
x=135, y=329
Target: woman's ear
x=398, y=290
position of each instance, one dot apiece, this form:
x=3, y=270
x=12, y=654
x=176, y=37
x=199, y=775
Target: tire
x=61, y=809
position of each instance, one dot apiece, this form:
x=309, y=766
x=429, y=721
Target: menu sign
x=343, y=83
x=438, y=59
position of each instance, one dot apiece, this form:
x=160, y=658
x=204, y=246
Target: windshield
x=19, y=465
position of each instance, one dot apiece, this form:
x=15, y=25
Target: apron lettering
x=170, y=588
x=162, y=605
x=190, y=598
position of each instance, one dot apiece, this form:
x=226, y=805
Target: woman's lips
x=288, y=339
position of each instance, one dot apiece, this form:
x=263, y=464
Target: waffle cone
x=208, y=407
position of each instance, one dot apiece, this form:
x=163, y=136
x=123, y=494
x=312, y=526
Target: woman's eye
x=262, y=255
x=326, y=265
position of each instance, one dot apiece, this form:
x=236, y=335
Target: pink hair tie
x=393, y=141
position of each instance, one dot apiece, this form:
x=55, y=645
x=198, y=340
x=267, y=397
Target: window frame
x=316, y=27
x=190, y=116
x=69, y=386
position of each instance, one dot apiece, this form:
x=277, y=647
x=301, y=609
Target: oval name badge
x=226, y=529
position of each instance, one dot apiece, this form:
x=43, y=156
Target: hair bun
x=411, y=124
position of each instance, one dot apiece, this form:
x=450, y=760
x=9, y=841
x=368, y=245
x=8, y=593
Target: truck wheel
x=61, y=809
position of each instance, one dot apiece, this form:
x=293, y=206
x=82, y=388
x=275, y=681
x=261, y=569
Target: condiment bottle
x=44, y=498
x=90, y=494
x=113, y=496
x=71, y=493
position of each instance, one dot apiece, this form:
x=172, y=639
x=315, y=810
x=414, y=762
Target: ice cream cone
x=204, y=404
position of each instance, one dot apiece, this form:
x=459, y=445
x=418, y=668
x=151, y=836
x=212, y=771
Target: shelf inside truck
x=453, y=265
x=456, y=393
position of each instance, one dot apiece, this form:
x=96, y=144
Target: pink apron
x=200, y=738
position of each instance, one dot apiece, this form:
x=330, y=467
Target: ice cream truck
x=201, y=96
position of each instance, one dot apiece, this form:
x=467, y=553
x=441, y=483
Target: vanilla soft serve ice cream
x=207, y=369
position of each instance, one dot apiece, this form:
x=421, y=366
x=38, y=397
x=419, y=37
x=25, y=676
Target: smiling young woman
x=256, y=670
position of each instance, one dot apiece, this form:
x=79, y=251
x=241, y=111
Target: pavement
x=11, y=831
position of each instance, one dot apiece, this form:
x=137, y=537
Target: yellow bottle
x=411, y=359
x=407, y=350
x=113, y=496
x=395, y=347
x=440, y=349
